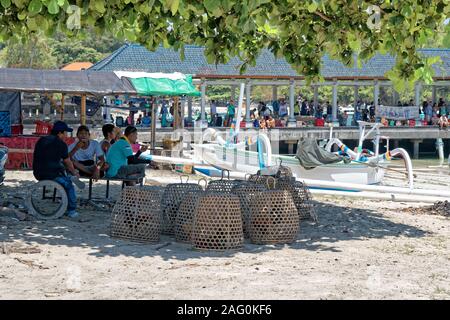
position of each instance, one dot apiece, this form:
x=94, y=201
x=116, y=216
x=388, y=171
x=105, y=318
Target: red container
x=43, y=128
x=319, y=122
x=21, y=149
x=412, y=123
x=17, y=129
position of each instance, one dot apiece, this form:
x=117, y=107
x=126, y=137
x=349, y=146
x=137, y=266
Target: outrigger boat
x=348, y=173
x=311, y=161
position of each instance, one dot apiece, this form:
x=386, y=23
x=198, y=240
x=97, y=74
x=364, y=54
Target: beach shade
x=160, y=84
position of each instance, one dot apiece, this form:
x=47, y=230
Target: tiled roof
x=76, y=66
x=133, y=57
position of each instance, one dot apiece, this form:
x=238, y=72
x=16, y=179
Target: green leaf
x=74, y=19
x=53, y=7
x=354, y=42
x=210, y=58
x=97, y=5
x=22, y=15
x=312, y=7
x=130, y=35
x=145, y=8
x=6, y=3
x=174, y=6
x=35, y=6
x=433, y=60
x=32, y=24
x=211, y=5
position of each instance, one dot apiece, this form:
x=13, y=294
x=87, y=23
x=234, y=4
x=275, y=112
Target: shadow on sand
x=336, y=223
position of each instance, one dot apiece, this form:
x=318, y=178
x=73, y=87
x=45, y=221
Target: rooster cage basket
x=136, y=215
x=217, y=222
x=172, y=198
x=273, y=218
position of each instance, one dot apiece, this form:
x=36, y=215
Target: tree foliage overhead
x=50, y=52
x=301, y=31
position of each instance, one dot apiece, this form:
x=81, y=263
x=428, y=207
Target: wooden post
x=183, y=105
x=335, y=101
x=176, y=115
x=83, y=110
x=153, y=124
x=62, y=107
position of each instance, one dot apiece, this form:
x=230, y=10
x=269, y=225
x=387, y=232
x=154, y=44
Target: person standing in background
x=213, y=108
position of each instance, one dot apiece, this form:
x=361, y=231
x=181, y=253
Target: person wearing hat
x=51, y=162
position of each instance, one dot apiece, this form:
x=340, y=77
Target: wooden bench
x=136, y=180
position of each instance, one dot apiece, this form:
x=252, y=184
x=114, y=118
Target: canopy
x=160, y=84
x=57, y=81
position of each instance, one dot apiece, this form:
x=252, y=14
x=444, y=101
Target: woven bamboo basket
x=136, y=215
x=301, y=196
x=185, y=217
x=245, y=193
x=172, y=198
x=218, y=222
x=222, y=185
x=273, y=218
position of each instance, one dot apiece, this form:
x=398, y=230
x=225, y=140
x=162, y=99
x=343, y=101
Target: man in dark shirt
x=51, y=160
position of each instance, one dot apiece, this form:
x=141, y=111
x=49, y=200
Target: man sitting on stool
x=123, y=164
x=86, y=154
x=51, y=160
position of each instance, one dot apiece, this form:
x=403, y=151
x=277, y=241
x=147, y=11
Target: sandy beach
x=359, y=249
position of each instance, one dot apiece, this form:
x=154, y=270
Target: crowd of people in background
x=435, y=113
x=267, y=115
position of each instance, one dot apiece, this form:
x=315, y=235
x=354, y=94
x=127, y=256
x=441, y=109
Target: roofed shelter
x=268, y=71
x=65, y=82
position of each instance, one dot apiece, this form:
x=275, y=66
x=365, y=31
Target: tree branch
x=324, y=17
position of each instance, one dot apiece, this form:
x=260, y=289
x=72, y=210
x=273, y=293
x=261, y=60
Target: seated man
x=443, y=122
x=262, y=123
x=435, y=120
x=109, y=134
x=123, y=164
x=86, y=154
x=51, y=160
x=270, y=122
x=146, y=121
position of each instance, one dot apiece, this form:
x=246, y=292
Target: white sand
x=358, y=250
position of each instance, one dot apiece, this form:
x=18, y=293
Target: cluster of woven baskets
x=218, y=217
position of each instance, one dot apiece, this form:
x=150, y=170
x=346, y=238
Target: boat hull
x=247, y=162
